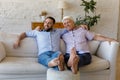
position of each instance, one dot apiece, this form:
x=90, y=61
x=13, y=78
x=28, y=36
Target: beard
x=48, y=30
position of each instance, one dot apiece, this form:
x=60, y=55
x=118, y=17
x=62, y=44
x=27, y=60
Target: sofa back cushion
x=93, y=46
x=27, y=48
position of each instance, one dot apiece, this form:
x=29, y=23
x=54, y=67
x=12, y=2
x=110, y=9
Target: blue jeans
x=46, y=57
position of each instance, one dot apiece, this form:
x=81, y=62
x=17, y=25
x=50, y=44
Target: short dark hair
x=49, y=17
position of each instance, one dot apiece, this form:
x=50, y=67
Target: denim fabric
x=46, y=57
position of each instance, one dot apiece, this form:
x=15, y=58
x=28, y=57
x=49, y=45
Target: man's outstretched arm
x=103, y=38
x=17, y=42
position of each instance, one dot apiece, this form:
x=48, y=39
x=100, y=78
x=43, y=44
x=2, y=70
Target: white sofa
x=21, y=63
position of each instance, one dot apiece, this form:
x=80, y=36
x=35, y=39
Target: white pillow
x=2, y=51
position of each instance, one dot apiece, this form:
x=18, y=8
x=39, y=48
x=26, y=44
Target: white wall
x=108, y=25
x=17, y=15
x=119, y=24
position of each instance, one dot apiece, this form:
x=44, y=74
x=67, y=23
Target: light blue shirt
x=47, y=41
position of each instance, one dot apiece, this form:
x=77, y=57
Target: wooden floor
x=118, y=66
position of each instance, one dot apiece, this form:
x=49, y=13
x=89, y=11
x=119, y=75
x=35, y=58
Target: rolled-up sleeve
x=32, y=33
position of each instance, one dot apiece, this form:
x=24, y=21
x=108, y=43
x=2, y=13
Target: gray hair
x=67, y=17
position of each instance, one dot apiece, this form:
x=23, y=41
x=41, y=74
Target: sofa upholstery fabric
x=21, y=63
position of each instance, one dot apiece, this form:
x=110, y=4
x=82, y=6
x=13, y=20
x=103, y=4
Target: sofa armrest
x=109, y=52
x=2, y=51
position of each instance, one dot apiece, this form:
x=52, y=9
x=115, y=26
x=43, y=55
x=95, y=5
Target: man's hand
x=38, y=28
x=84, y=27
x=111, y=40
x=16, y=44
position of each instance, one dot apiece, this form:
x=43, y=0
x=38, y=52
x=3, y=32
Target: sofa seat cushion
x=97, y=64
x=21, y=65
